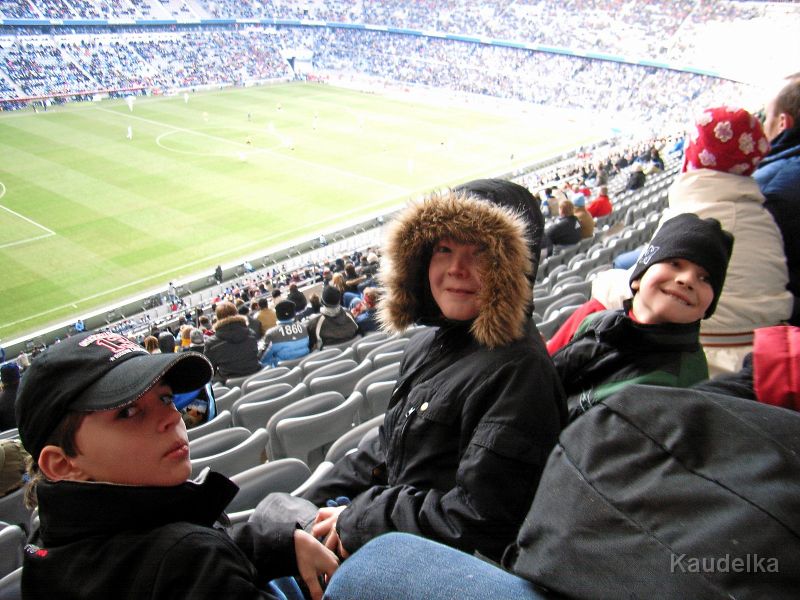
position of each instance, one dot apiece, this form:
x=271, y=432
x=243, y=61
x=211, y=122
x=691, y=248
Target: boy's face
x=454, y=278
x=673, y=291
x=144, y=443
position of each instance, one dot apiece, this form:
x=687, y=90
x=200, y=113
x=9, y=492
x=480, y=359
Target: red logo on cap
x=114, y=343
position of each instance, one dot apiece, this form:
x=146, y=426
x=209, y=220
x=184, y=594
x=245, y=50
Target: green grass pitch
x=88, y=216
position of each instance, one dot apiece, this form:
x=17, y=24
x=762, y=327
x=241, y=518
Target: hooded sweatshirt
x=477, y=406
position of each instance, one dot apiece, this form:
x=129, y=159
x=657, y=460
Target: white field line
x=401, y=190
x=165, y=274
x=49, y=233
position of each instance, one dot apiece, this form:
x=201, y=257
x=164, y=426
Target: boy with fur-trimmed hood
x=477, y=406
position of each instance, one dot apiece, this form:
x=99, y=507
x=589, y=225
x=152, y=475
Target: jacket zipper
x=401, y=446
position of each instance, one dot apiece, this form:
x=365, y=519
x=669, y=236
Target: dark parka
x=778, y=177
x=477, y=407
x=610, y=351
x=233, y=349
x=150, y=543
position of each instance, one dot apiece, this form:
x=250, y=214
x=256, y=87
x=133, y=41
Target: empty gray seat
x=576, y=287
x=309, y=437
x=257, y=414
x=12, y=541
x=263, y=393
x=373, y=340
x=233, y=382
x=350, y=440
x=225, y=402
x=388, y=346
x=222, y=421
x=319, y=356
x=317, y=403
x=331, y=368
x=255, y=483
x=264, y=375
x=13, y=510
x=368, y=340
x=573, y=299
x=11, y=585
x=239, y=458
x=387, y=358
x=377, y=397
x=387, y=373
x=293, y=377
x=217, y=441
x=340, y=382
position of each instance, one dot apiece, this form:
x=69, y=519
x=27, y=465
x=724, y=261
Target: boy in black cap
x=655, y=338
x=110, y=466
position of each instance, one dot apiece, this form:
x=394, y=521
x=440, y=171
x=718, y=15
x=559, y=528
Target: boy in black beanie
x=655, y=338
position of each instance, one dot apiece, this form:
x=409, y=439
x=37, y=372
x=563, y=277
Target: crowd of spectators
x=43, y=66
x=185, y=58
x=657, y=30
x=603, y=87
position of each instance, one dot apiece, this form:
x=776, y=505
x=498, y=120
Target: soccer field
x=88, y=216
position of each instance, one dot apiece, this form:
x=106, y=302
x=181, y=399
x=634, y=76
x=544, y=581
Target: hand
x=325, y=527
x=313, y=561
x=325, y=521
x=334, y=542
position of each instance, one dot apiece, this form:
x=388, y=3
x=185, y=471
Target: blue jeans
x=627, y=259
x=400, y=566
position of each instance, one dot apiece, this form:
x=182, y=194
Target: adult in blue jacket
x=778, y=176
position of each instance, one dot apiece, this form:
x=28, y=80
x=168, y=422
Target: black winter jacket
x=101, y=541
x=462, y=448
x=611, y=351
x=233, y=349
x=477, y=407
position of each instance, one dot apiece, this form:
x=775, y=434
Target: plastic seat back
x=239, y=458
x=12, y=541
x=225, y=402
x=255, y=483
x=315, y=404
x=309, y=437
x=331, y=368
x=264, y=375
x=340, y=382
x=257, y=414
x=217, y=441
x=263, y=393
x=350, y=440
x=222, y=421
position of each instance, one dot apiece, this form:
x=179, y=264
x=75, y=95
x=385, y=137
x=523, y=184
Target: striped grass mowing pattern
x=88, y=216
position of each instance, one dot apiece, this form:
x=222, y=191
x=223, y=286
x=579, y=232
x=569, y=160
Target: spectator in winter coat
x=477, y=406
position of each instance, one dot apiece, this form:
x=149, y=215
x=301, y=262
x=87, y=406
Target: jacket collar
x=72, y=510
x=615, y=327
x=786, y=144
x=227, y=321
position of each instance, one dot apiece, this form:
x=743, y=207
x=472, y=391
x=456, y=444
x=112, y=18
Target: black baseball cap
x=92, y=372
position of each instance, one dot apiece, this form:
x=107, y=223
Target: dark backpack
x=668, y=493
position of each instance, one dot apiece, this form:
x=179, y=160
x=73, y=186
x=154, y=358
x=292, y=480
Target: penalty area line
x=49, y=232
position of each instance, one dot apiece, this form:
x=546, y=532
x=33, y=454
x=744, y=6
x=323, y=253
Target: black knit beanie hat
x=701, y=241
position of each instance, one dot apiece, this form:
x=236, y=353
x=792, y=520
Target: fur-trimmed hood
x=232, y=329
x=511, y=239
